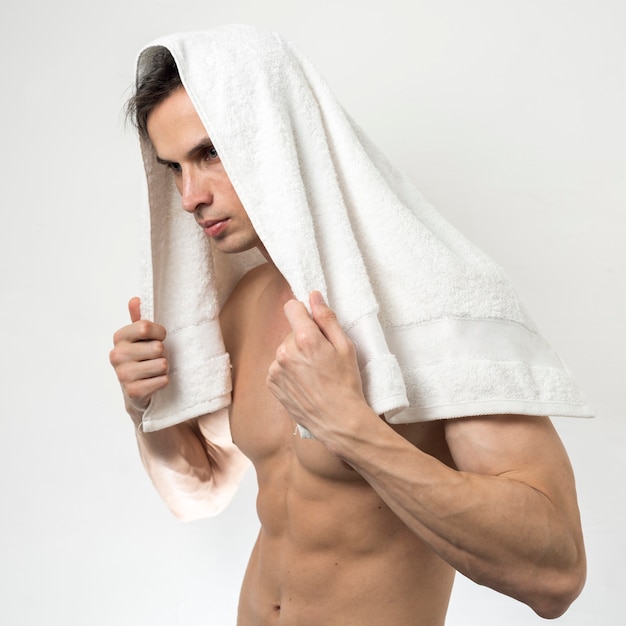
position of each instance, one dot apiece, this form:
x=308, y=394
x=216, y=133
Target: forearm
x=496, y=530
x=194, y=466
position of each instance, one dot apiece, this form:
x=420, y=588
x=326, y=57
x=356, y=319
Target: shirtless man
x=365, y=524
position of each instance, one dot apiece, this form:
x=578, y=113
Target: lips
x=213, y=228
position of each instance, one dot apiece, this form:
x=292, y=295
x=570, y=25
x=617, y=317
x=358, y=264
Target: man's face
x=182, y=145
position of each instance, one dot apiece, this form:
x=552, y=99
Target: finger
x=326, y=319
x=134, y=308
x=299, y=318
x=143, y=350
x=142, y=330
x=141, y=391
x=131, y=372
x=136, y=352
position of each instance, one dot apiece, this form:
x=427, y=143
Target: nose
x=195, y=190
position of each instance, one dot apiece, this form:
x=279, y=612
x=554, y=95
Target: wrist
x=358, y=424
x=134, y=410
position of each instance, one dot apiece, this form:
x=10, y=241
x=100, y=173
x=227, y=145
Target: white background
x=509, y=116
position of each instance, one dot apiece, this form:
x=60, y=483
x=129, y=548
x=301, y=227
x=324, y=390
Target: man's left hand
x=315, y=374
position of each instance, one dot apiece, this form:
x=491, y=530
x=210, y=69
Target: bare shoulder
x=240, y=305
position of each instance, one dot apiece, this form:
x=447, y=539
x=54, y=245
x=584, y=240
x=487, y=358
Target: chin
x=231, y=246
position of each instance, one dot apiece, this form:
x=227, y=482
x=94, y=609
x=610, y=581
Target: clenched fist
x=315, y=374
x=139, y=359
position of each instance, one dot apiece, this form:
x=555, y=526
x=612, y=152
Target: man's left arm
x=506, y=517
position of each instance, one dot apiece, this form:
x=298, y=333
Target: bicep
x=517, y=447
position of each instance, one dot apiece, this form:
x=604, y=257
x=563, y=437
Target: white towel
x=439, y=330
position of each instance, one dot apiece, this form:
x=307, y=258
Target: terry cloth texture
x=439, y=330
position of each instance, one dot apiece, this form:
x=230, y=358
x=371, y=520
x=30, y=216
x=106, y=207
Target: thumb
x=326, y=319
x=134, y=308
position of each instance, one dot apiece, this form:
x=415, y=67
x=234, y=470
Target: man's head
x=164, y=115
x=159, y=80
x=256, y=104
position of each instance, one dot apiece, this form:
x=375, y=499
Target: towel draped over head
x=438, y=328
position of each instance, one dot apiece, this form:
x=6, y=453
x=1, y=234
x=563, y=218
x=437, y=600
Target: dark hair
x=158, y=79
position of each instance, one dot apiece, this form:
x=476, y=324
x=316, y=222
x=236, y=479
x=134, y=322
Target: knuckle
x=303, y=340
x=158, y=349
x=120, y=335
x=271, y=373
x=118, y=356
x=114, y=358
x=282, y=357
x=143, y=329
x=124, y=374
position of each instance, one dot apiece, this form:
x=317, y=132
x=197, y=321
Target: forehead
x=174, y=123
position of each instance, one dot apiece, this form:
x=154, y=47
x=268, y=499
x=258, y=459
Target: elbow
x=552, y=606
x=193, y=510
x=556, y=595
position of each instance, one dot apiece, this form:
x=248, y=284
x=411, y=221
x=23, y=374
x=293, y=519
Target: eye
x=170, y=165
x=210, y=153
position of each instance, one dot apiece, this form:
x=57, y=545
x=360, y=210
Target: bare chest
x=260, y=425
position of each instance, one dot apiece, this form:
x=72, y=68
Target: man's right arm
x=194, y=466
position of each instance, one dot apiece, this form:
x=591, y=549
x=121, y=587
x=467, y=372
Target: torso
x=329, y=551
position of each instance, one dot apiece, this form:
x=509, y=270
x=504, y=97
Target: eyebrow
x=201, y=146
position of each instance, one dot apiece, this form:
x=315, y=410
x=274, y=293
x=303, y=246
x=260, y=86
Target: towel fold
x=439, y=330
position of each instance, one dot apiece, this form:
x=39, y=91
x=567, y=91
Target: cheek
x=226, y=187
x=229, y=193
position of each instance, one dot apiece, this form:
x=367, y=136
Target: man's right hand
x=139, y=359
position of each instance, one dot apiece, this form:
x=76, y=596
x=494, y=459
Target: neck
x=261, y=248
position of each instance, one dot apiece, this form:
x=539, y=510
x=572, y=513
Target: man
x=366, y=521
